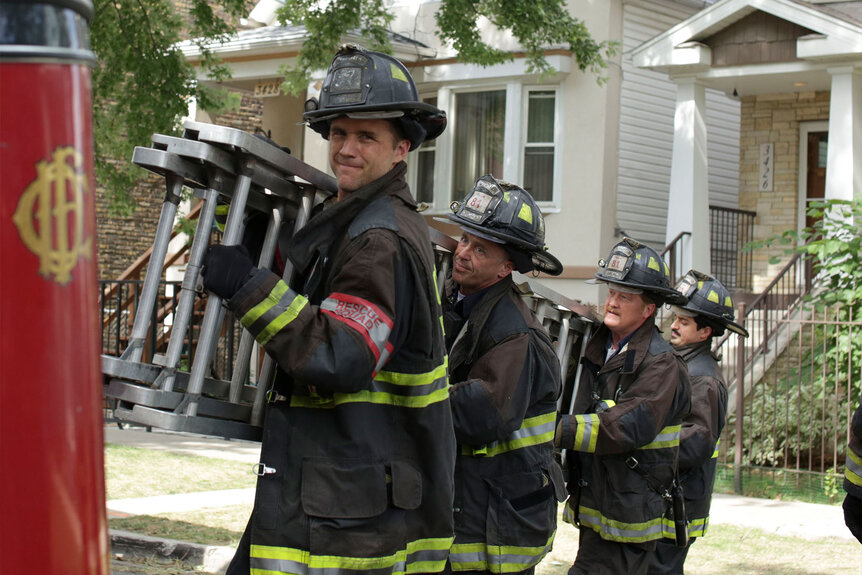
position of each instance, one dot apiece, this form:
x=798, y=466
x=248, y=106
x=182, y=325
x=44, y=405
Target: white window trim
x=552, y=206
x=515, y=134
x=802, y=180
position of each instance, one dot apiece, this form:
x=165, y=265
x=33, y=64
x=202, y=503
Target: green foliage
x=808, y=404
x=834, y=245
x=536, y=25
x=793, y=419
x=326, y=25
x=142, y=82
x=832, y=484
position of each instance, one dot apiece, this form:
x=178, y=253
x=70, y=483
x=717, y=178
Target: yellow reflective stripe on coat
x=696, y=527
x=420, y=556
x=533, y=431
x=621, y=531
x=853, y=468
x=497, y=558
x=569, y=513
x=415, y=390
x=667, y=437
x=586, y=432
x=277, y=310
x=715, y=453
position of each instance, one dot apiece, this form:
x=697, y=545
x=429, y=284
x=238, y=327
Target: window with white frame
x=507, y=131
x=478, y=137
x=423, y=188
x=539, y=145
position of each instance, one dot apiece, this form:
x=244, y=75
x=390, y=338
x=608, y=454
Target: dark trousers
x=597, y=556
x=668, y=558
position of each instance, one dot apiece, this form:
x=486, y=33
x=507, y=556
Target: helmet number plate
x=617, y=263
x=479, y=202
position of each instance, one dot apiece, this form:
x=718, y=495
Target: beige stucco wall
x=776, y=119
x=583, y=230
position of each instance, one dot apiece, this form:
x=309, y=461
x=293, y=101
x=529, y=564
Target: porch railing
x=674, y=255
x=118, y=305
x=730, y=230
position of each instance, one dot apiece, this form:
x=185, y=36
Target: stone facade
x=775, y=119
x=122, y=240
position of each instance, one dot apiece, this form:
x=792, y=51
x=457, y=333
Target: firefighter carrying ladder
x=254, y=175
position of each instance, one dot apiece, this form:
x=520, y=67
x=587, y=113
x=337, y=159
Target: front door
x=816, y=176
x=815, y=180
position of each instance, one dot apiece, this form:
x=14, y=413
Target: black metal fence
x=730, y=231
x=118, y=303
x=793, y=385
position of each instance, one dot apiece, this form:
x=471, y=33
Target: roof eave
x=291, y=43
x=836, y=39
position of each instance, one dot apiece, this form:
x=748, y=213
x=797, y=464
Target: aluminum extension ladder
x=255, y=175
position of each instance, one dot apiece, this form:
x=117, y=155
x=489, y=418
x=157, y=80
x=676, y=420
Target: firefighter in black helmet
x=505, y=382
x=358, y=453
x=707, y=314
x=624, y=430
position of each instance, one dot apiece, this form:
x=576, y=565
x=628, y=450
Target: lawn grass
x=136, y=472
x=222, y=526
x=726, y=549
x=738, y=550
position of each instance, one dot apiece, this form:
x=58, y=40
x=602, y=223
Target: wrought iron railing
x=790, y=389
x=730, y=230
x=118, y=305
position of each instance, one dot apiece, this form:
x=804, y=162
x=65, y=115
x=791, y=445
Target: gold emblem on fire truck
x=50, y=215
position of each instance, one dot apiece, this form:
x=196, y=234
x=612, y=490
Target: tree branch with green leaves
x=142, y=83
x=536, y=25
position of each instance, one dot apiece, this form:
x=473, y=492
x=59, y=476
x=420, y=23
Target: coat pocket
x=522, y=511
x=406, y=485
x=343, y=489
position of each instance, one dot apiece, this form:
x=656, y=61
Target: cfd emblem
x=50, y=215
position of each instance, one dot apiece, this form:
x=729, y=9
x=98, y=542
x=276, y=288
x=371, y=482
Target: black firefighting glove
x=853, y=515
x=226, y=269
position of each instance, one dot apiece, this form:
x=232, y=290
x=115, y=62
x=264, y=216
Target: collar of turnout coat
x=324, y=227
x=477, y=319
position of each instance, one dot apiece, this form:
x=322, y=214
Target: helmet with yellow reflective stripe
x=372, y=85
x=709, y=298
x=506, y=213
x=637, y=266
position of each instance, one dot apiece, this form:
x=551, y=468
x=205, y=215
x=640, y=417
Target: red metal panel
x=52, y=495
